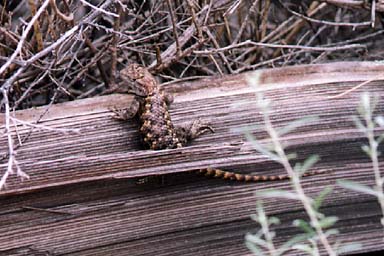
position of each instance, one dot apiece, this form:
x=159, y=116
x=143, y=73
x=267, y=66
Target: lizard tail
x=217, y=173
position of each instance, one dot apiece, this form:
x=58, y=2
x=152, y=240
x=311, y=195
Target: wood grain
x=82, y=199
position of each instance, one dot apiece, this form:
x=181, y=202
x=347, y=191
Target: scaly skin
x=158, y=131
x=156, y=125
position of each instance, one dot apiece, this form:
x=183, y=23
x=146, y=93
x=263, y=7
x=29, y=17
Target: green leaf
x=365, y=104
x=254, y=217
x=261, y=216
x=332, y=231
x=307, y=164
x=319, y=215
x=294, y=240
x=277, y=193
x=366, y=149
x=260, y=147
x=304, y=248
x=374, y=102
x=295, y=124
x=297, y=167
x=360, y=109
x=374, y=145
x=320, y=198
x=380, y=139
x=379, y=120
x=256, y=240
x=327, y=222
x=357, y=187
x=359, y=124
x=291, y=156
x=305, y=226
x=274, y=221
x=256, y=250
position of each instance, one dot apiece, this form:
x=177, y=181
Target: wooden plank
x=107, y=148
x=80, y=199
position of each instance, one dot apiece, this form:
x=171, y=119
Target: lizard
x=156, y=126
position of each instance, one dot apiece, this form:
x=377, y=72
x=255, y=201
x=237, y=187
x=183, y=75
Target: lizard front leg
x=191, y=130
x=128, y=113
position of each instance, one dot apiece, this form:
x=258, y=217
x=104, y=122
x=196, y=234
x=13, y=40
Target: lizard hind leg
x=168, y=98
x=191, y=130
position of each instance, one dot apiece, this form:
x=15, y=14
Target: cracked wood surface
x=81, y=198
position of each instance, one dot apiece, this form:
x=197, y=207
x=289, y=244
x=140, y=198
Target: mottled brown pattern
x=156, y=126
x=157, y=129
x=227, y=175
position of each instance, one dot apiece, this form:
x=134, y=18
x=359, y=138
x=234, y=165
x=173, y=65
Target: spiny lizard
x=156, y=126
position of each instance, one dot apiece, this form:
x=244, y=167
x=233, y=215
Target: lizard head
x=144, y=82
x=134, y=72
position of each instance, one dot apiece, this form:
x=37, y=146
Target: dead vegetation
x=54, y=51
x=57, y=51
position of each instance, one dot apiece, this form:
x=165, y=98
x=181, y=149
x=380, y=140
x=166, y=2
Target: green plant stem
x=296, y=184
x=268, y=236
x=375, y=162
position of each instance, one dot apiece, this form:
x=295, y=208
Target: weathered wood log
x=81, y=198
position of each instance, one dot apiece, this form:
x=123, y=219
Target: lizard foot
x=122, y=114
x=126, y=114
x=192, y=130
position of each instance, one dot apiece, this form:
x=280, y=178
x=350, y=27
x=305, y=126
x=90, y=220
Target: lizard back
x=156, y=126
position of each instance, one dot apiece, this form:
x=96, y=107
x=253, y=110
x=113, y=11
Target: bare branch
x=99, y=9
x=12, y=162
x=307, y=48
x=345, y=24
x=24, y=36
